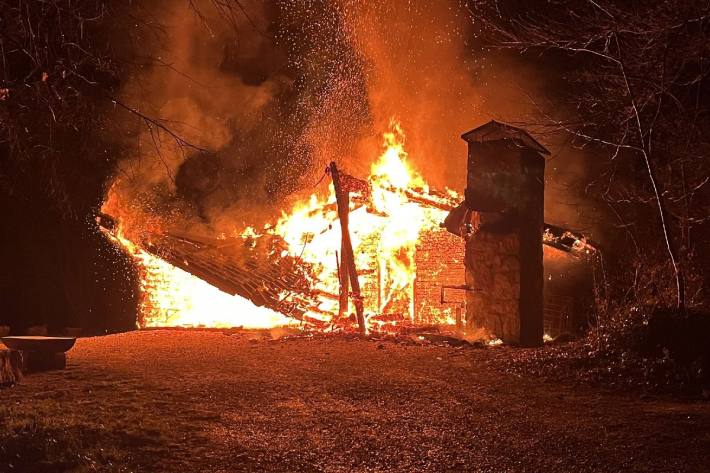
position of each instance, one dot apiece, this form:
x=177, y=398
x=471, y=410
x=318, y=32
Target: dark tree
x=632, y=80
x=59, y=142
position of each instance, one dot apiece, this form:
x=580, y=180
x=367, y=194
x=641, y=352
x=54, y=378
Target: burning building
x=409, y=270
x=292, y=267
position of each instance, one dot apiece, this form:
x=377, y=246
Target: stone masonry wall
x=493, y=270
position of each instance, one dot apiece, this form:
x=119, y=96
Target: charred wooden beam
x=344, y=282
x=348, y=260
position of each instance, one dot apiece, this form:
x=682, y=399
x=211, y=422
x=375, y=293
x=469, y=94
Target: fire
x=385, y=226
x=392, y=167
x=384, y=237
x=172, y=297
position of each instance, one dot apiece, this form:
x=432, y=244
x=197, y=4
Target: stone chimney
x=505, y=188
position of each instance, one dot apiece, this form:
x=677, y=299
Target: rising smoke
x=271, y=91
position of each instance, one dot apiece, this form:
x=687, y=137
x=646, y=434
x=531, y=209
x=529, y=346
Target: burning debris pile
x=291, y=270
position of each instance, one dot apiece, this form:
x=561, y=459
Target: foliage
x=53, y=131
x=641, y=347
x=630, y=82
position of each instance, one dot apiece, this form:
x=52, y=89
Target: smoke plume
x=267, y=93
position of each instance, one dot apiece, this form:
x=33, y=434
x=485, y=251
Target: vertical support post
x=344, y=282
x=348, y=259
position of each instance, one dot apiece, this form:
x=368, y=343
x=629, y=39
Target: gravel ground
x=190, y=401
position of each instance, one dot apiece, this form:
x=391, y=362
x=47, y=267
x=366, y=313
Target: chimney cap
x=496, y=131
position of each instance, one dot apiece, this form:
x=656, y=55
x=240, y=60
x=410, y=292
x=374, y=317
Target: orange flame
x=384, y=234
x=172, y=297
x=384, y=237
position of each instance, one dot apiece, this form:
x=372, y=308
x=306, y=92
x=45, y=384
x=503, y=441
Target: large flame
x=172, y=297
x=385, y=228
x=384, y=237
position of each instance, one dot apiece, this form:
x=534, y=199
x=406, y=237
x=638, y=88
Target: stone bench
x=41, y=353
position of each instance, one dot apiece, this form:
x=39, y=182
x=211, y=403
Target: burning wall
x=174, y=297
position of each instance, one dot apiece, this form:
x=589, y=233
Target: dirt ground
x=190, y=401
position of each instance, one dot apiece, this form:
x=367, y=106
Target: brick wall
x=440, y=261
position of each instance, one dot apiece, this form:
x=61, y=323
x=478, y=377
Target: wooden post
x=344, y=282
x=342, y=198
